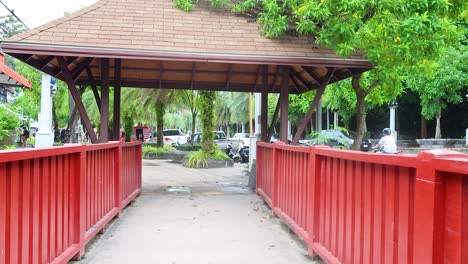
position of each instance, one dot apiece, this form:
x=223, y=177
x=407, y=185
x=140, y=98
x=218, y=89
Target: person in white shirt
x=387, y=143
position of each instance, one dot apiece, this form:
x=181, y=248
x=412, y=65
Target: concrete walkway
x=196, y=216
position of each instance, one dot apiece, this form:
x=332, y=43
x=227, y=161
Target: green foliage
x=188, y=147
x=9, y=147
x=274, y=20
x=219, y=3
x=199, y=159
x=31, y=141
x=445, y=86
x=61, y=104
x=10, y=26
x=8, y=121
x=186, y=5
x=30, y=101
x=329, y=139
x=207, y=102
x=149, y=149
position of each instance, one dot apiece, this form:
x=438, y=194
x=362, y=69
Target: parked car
x=174, y=137
x=332, y=138
x=244, y=137
x=219, y=136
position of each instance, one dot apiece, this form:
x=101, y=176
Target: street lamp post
x=393, y=105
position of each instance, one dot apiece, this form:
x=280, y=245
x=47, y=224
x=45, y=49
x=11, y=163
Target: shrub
x=188, y=147
x=148, y=149
x=199, y=159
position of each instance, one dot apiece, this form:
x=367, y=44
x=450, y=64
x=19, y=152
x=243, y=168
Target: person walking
x=24, y=136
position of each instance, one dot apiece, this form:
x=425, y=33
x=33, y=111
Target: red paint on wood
x=44, y=194
x=370, y=208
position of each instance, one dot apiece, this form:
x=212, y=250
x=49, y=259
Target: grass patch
x=156, y=150
x=199, y=159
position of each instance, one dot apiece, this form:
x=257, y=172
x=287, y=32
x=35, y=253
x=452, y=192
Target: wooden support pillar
x=284, y=104
x=104, y=125
x=116, y=123
x=76, y=97
x=273, y=120
x=318, y=96
x=264, y=105
x=94, y=89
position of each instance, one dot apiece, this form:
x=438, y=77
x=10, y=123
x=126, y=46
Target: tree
x=396, y=36
x=190, y=100
x=10, y=26
x=444, y=86
x=8, y=120
x=340, y=97
x=207, y=100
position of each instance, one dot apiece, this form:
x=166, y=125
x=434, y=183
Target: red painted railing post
x=79, y=191
x=275, y=169
x=430, y=223
x=313, y=197
x=428, y=204
x=139, y=161
x=117, y=180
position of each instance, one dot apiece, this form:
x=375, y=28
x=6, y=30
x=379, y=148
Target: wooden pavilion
x=152, y=44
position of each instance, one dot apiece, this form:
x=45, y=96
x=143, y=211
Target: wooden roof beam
x=93, y=88
x=314, y=104
x=76, y=97
x=81, y=68
x=229, y=76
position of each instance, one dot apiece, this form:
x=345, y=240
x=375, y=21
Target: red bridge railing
x=355, y=207
x=53, y=201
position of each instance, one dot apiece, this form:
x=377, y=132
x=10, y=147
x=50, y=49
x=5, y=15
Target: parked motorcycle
x=242, y=154
x=228, y=151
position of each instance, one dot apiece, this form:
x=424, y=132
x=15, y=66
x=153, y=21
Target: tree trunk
x=194, y=120
x=160, y=107
x=438, y=133
x=423, y=127
x=207, y=117
x=360, y=111
x=360, y=120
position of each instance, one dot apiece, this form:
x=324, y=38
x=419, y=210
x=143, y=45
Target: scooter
x=228, y=151
x=242, y=154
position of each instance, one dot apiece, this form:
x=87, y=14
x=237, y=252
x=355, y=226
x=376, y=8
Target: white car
x=244, y=137
x=174, y=137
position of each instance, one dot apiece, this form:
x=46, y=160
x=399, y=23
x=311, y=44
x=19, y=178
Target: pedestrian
x=62, y=135
x=24, y=136
x=122, y=136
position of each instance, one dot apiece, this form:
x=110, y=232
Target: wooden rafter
x=94, y=88
x=76, y=97
x=192, y=78
x=228, y=77
x=309, y=113
x=298, y=76
x=45, y=62
x=257, y=77
x=299, y=87
x=81, y=68
x=312, y=74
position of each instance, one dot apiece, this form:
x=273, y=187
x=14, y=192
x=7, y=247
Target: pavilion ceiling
x=196, y=75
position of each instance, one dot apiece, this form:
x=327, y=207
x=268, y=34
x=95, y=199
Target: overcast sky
x=38, y=12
